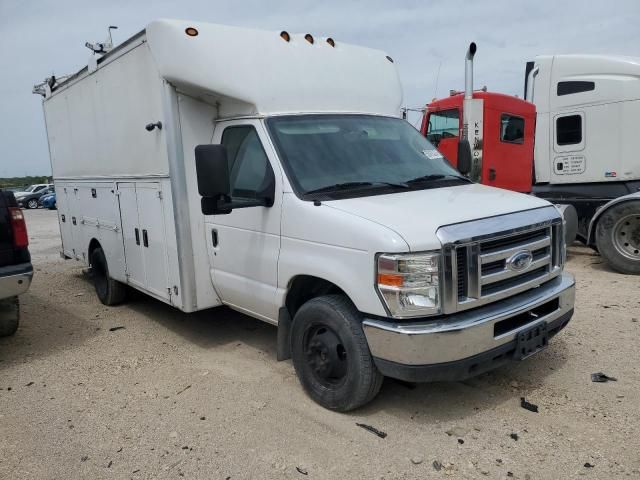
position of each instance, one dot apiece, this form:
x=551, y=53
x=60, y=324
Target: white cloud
x=43, y=37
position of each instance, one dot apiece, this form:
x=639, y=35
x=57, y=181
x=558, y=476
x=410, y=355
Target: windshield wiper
x=354, y=185
x=436, y=176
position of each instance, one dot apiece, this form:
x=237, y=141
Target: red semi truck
x=570, y=141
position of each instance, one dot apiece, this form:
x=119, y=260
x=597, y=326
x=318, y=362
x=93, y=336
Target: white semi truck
x=587, y=109
x=208, y=165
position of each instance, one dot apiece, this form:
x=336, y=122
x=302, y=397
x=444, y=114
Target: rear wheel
x=33, y=203
x=331, y=355
x=618, y=237
x=9, y=316
x=109, y=291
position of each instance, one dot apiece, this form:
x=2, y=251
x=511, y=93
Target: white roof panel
x=270, y=75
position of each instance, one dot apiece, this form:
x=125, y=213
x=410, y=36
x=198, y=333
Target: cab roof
x=507, y=103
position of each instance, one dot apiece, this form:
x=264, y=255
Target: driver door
x=244, y=245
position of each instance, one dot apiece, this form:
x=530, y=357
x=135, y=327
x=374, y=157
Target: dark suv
x=16, y=271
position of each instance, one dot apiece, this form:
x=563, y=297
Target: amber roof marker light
x=285, y=35
x=191, y=31
x=309, y=38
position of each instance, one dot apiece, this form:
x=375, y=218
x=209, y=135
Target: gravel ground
x=201, y=396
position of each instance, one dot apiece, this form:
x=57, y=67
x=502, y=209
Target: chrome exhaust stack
x=468, y=71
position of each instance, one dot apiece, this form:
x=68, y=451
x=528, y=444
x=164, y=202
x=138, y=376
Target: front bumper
x=15, y=280
x=465, y=344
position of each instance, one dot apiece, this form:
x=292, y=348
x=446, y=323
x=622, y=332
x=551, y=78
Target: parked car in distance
x=48, y=200
x=37, y=187
x=30, y=199
x=16, y=270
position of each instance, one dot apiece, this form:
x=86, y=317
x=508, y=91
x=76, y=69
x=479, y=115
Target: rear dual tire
x=109, y=291
x=9, y=316
x=331, y=355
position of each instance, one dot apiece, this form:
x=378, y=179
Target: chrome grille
x=483, y=268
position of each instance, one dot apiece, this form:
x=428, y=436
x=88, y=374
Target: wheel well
x=93, y=244
x=305, y=287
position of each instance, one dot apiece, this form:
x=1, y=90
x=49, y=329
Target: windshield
x=30, y=188
x=345, y=153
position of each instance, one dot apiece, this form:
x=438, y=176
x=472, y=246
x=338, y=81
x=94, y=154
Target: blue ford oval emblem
x=520, y=261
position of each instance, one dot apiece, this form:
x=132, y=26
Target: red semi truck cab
x=501, y=134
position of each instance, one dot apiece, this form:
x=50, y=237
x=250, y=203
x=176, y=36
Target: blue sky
x=41, y=37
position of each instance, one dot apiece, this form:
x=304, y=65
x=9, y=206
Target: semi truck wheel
x=9, y=316
x=109, y=291
x=331, y=355
x=618, y=237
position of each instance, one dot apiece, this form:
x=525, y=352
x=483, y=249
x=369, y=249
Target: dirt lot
x=201, y=396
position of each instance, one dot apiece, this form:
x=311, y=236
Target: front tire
x=109, y=291
x=331, y=355
x=33, y=203
x=618, y=237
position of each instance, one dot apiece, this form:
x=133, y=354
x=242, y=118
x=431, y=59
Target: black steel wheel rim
x=325, y=355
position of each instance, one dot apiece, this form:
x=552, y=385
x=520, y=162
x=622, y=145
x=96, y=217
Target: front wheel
x=109, y=291
x=618, y=237
x=331, y=355
x=33, y=203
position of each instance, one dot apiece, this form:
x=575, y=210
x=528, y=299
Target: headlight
x=409, y=283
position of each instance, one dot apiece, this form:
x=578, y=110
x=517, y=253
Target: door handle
x=137, y=232
x=145, y=238
x=492, y=174
x=214, y=237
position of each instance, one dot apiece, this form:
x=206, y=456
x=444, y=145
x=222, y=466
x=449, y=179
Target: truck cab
x=505, y=140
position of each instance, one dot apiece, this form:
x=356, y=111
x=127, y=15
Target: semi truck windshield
x=357, y=155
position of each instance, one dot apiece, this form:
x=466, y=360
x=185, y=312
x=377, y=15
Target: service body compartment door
x=152, y=238
x=64, y=219
x=131, y=235
x=73, y=246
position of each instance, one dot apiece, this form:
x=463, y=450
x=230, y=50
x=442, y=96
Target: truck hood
x=417, y=215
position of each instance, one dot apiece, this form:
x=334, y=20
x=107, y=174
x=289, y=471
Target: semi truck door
x=508, y=149
x=244, y=245
x=131, y=234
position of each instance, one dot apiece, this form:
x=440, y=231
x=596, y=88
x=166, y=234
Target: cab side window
x=569, y=130
x=511, y=128
x=443, y=124
x=249, y=168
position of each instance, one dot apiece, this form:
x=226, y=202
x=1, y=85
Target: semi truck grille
x=490, y=267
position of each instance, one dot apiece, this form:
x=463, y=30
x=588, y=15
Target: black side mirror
x=212, y=170
x=464, y=157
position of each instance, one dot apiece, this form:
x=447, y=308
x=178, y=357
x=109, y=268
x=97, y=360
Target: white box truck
x=208, y=165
